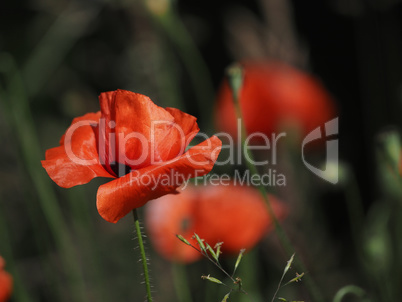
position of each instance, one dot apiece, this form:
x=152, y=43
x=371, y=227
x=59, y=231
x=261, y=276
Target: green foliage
x=213, y=256
x=296, y=279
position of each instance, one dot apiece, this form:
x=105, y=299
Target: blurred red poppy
x=136, y=142
x=6, y=282
x=274, y=97
x=234, y=215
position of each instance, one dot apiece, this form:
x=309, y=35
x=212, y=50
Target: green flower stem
x=143, y=256
x=181, y=283
x=235, y=74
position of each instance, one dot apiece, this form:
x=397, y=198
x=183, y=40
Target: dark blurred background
x=58, y=56
x=354, y=48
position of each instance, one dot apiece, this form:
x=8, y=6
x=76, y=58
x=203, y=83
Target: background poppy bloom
x=136, y=142
x=6, y=282
x=274, y=96
x=234, y=215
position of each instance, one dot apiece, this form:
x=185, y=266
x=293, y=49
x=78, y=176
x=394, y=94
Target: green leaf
x=200, y=243
x=226, y=297
x=183, y=239
x=235, y=76
x=289, y=264
x=389, y=158
x=239, y=259
x=212, y=252
x=218, y=248
x=212, y=279
x=391, y=147
x=295, y=279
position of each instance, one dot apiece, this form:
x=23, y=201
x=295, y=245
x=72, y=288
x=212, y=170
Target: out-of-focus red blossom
x=134, y=136
x=6, y=282
x=234, y=215
x=274, y=96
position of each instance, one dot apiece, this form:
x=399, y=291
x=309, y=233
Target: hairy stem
x=143, y=256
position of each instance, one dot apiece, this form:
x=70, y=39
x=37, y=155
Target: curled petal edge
x=75, y=161
x=117, y=198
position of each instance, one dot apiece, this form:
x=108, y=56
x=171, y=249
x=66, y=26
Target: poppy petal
x=6, y=283
x=187, y=122
x=274, y=97
x=236, y=215
x=118, y=197
x=169, y=216
x=187, y=128
x=138, y=133
x=233, y=214
x=76, y=161
x=126, y=127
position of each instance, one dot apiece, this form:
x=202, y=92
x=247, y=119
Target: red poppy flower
x=139, y=144
x=6, y=282
x=234, y=215
x=274, y=95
